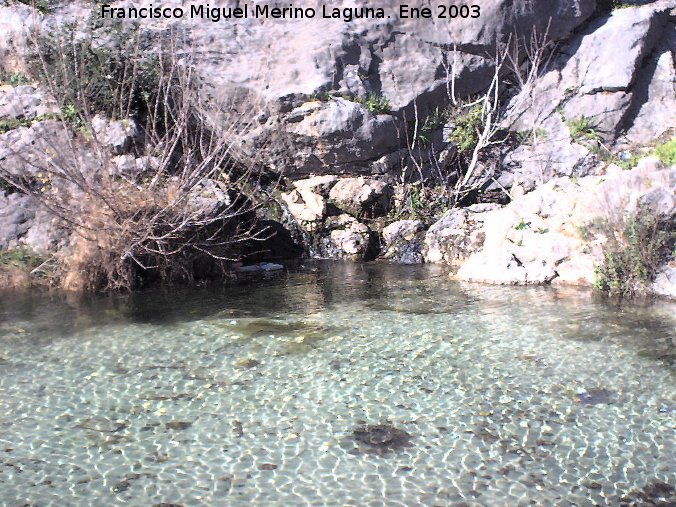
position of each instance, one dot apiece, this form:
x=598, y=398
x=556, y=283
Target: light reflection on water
x=249, y=394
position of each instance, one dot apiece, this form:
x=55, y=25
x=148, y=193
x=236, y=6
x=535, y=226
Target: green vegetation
x=42, y=6
x=434, y=121
x=117, y=78
x=419, y=202
x=632, y=254
x=23, y=258
x=522, y=225
x=17, y=79
x=465, y=133
x=377, y=104
x=68, y=114
x=528, y=137
x=628, y=161
x=666, y=152
x=582, y=128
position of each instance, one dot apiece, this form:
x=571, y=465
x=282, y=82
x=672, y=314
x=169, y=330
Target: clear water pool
x=251, y=395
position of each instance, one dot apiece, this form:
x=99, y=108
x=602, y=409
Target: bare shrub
x=477, y=126
x=188, y=205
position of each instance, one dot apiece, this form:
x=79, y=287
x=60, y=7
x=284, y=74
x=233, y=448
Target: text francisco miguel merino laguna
x=245, y=11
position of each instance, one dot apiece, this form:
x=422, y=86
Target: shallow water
x=250, y=395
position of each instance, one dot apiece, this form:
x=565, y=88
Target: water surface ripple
x=250, y=395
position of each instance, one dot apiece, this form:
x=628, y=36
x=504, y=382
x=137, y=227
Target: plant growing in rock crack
x=666, y=152
x=192, y=208
x=583, y=128
x=376, y=104
x=634, y=249
x=467, y=123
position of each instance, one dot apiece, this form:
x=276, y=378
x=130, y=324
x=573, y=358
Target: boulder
x=118, y=135
x=17, y=212
x=359, y=195
x=456, y=235
x=318, y=184
x=24, y=102
x=346, y=238
x=403, y=241
x=665, y=281
x=306, y=207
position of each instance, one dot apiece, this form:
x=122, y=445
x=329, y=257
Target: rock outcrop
x=556, y=234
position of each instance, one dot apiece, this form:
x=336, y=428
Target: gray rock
x=24, y=102
x=346, y=238
x=318, y=184
x=282, y=63
x=17, y=213
x=665, y=281
x=403, y=241
x=306, y=207
x=47, y=233
x=656, y=86
x=118, y=135
x=456, y=235
x=361, y=195
x=551, y=235
x=596, y=73
x=29, y=150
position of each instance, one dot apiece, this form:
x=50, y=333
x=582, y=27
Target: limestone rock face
x=403, y=241
x=555, y=233
x=456, y=235
x=618, y=74
x=287, y=63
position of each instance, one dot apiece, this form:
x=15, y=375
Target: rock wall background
x=336, y=104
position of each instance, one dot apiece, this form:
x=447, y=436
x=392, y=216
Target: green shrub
x=628, y=161
x=18, y=79
x=377, y=104
x=11, y=124
x=632, y=255
x=666, y=152
x=465, y=133
x=434, y=121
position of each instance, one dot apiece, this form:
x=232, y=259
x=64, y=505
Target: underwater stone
x=101, y=425
x=247, y=363
x=382, y=437
x=595, y=397
x=178, y=425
